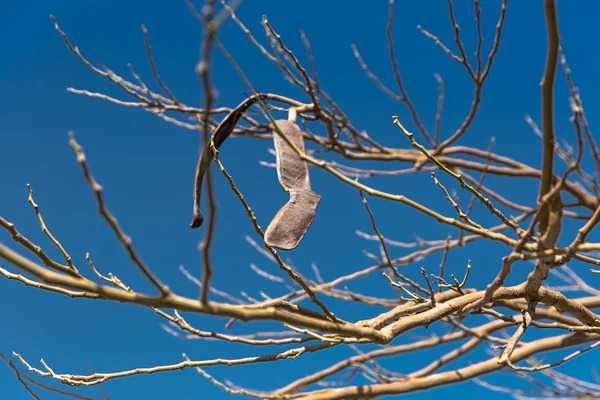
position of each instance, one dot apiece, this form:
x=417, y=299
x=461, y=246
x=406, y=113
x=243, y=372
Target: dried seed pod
x=294, y=219
x=221, y=133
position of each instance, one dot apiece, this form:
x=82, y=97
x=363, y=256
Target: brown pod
x=293, y=220
x=219, y=136
x=292, y=170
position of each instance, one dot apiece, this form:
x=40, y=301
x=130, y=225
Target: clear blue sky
x=147, y=166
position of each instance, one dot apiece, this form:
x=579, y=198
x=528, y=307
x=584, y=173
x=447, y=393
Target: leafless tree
x=562, y=315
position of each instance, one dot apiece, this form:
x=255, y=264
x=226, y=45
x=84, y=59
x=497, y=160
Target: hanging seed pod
x=221, y=133
x=294, y=219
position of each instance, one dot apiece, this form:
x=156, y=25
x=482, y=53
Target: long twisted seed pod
x=294, y=219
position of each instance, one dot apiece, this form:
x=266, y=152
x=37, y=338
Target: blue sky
x=147, y=167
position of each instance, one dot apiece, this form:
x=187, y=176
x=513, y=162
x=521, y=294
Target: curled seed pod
x=294, y=219
x=221, y=133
